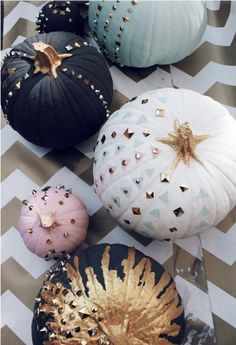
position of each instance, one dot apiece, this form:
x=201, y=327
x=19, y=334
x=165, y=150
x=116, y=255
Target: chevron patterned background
x=204, y=267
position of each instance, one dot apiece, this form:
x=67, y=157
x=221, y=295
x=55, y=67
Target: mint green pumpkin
x=144, y=33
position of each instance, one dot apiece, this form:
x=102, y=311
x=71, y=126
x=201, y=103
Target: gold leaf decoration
x=132, y=310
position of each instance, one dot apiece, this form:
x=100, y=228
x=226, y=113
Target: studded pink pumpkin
x=53, y=222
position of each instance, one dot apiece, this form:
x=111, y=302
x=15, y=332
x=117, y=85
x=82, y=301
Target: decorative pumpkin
x=56, y=89
x=144, y=33
x=53, y=222
x=165, y=164
x=60, y=16
x=111, y=295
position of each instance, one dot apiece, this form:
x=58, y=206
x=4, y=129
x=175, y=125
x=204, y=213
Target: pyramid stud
x=128, y=133
x=144, y=101
x=146, y=133
x=159, y=112
x=136, y=211
x=184, y=187
x=173, y=229
x=178, y=212
x=149, y=195
x=165, y=177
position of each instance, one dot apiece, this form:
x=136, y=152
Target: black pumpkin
x=108, y=294
x=56, y=89
x=60, y=16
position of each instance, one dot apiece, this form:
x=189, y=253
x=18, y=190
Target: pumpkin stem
x=47, y=220
x=184, y=142
x=47, y=59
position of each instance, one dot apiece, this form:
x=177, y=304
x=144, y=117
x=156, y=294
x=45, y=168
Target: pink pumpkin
x=52, y=222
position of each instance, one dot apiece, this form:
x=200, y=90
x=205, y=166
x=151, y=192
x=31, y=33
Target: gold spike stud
x=136, y=211
x=165, y=177
x=178, y=212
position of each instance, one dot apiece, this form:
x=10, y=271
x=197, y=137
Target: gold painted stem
x=47, y=59
x=184, y=142
x=47, y=220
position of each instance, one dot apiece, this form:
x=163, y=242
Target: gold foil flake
x=128, y=133
x=184, y=187
x=178, y=212
x=113, y=134
x=165, y=177
x=149, y=195
x=184, y=142
x=144, y=101
x=159, y=112
x=138, y=156
x=72, y=221
x=136, y=211
x=173, y=229
x=100, y=326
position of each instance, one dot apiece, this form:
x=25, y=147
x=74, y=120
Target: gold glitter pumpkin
x=111, y=295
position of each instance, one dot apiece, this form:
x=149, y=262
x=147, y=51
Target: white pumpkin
x=165, y=164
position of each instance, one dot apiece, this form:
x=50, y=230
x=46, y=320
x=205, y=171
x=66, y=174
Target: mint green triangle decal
x=203, y=224
x=126, y=191
x=119, y=148
x=138, y=181
x=149, y=225
x=204, y=211
x=137, y=143
x=127, y=115
x=202, y=194
x=142, y=119
x=164, y=197
x=150, y=172
x=155, y=213
x=116, y=200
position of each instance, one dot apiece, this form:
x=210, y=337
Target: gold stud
x=144, y=101
x=137, y=156
x=149, y=195
x=159, y=112
x=165, y=177
x=11, y=70
x=173, y=229
x=136, y=211
x=49, y=241
x=178, y=212
x=128, y=133
x=77, y=45
x=125, y=18
x=30, y=231
x=146, y=133
x=66, y=234
x=155, y=151
x=72, y=221
x=113, y=134
x=124, y=162
x=184, y=187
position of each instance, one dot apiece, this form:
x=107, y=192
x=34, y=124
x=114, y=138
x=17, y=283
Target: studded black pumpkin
x=60, y=16
x=56, y=89
x=108, y=295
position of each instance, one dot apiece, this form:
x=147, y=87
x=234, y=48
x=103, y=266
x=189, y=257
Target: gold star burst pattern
x=184, y=142
x=132, y=310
